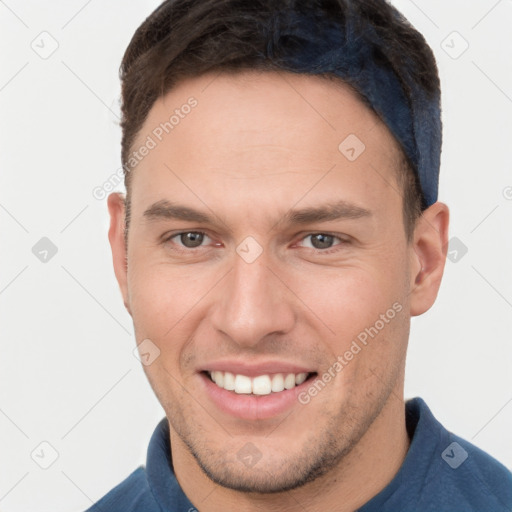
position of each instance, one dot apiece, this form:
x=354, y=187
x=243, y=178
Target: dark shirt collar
x=160, y=472
x=424, y=432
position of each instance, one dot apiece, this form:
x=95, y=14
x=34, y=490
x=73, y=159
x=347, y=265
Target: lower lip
x=252, y=407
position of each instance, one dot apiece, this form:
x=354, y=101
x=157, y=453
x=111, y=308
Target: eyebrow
x=325, y=213
x=165, y=209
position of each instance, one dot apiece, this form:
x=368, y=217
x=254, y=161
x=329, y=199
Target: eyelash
x=193, y=249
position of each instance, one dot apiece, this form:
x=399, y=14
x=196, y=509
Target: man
x=280, y=228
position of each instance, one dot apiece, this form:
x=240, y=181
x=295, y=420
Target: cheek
x=349, y=299
x=168, y=304
x=164, y=306
x=161, y=296
x=365, y=312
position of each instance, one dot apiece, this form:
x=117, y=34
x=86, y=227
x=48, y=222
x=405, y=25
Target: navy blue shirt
x=441, y=473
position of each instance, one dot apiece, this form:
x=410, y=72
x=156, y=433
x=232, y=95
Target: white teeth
x=229, y=381
x=218, y=378
x=260, y=385
x=289, y=381
x=299, y=378
x=278, y=383
x=243, y=384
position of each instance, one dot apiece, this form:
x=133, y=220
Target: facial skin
x=257, y=146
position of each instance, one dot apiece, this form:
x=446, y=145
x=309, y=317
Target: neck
x=366, y=470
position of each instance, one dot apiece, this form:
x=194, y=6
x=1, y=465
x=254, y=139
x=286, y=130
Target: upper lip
x=253, y=370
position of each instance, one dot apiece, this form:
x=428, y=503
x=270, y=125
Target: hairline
x=404, y=172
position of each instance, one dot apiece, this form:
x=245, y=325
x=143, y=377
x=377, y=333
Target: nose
x=253, y=303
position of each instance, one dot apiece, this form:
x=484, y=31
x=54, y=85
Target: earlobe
x=429, y=257
x=116, y=237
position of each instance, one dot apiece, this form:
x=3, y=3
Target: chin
x=266, y=478
x=269, y=470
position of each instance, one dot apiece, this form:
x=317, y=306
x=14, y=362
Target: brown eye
x=321, y=241
x=192, y=239
x=188, y=239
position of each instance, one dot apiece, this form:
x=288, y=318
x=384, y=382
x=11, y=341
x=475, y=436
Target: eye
x=321, y=241
x=188, y=239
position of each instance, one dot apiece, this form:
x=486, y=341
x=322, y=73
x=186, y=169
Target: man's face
x=263, y=287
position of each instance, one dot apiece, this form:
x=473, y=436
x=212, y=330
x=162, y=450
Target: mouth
x=259, y=385
x=254, y=391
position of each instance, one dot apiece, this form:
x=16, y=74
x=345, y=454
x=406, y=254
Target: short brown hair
x=187, y=38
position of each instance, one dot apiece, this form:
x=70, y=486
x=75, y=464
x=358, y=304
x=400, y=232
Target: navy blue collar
x=160, y=472
x=425, y=433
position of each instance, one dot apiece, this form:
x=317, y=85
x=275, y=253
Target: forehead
x=263, y=137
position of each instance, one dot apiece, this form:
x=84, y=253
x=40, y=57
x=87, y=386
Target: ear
x=428, y=257
x=117, y=210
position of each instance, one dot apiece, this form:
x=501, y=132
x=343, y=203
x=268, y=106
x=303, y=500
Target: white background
x=67, y=372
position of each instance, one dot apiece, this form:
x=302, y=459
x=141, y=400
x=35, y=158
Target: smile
x=259, y=385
